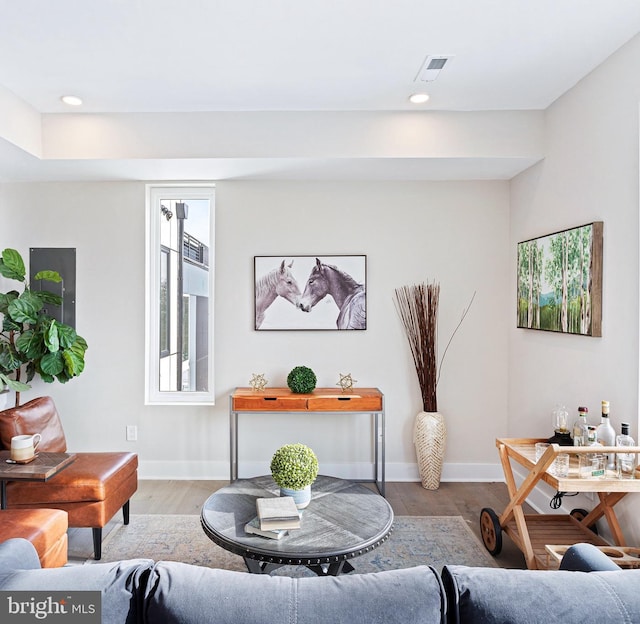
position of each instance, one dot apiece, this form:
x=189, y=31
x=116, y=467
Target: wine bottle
x=580, y=428
x=606, y=435
x=626, y=462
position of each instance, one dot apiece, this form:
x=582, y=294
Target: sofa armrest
x=121, y=584
x=586, y=558
x=498, y=595
x=18, y=553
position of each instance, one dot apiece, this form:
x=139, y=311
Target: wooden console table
x=326, y=400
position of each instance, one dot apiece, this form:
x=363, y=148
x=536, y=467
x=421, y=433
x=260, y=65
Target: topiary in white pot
x=294, y=467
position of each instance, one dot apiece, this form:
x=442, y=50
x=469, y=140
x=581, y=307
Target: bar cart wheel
x=491, y=531
x=580, y=515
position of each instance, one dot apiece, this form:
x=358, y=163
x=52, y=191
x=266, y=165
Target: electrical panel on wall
x=62, y=260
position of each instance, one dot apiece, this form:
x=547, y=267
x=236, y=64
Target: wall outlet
x=132, y=433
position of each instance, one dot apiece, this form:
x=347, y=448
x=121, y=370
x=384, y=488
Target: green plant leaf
x=66, y=334
x=46, y=377
x=12, y=384
x=31, y=370
x=23, y=311
x=31, y=344
x=79, y=346
x=51, y=339
x=74, y=363
x=9, y=360
x=50, y=276
x=33, y=298
x=6, y=299
x=12, y=265
x=52, y=363
x=47, y=296
x=8, y=325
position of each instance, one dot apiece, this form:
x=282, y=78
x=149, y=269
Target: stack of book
x=276, y=516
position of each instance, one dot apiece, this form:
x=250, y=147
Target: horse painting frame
x=559, y=281
x=310, y=292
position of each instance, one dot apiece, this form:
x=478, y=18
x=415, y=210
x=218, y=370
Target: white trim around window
x=167, y=239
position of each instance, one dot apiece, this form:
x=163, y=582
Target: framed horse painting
x=310, y=292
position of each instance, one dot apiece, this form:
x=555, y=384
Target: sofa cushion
x=36, y=416
x=492, y=596
x=178, y=592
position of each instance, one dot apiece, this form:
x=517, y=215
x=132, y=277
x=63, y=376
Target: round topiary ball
x=294, y=466
x=301, y=380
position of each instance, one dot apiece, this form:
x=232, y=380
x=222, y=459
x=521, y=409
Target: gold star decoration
x=258, y=382
x=346, y=381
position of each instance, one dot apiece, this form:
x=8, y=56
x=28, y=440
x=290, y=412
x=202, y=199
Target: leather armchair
x=91, y=489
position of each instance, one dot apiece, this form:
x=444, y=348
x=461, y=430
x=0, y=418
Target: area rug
x=415, y=540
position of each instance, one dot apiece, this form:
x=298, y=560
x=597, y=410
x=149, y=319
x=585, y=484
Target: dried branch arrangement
x=417, y=306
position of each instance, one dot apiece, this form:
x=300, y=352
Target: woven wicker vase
x=430, y=440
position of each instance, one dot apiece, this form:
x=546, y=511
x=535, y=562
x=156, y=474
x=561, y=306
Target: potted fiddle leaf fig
x=294, y=467
x=31, y=341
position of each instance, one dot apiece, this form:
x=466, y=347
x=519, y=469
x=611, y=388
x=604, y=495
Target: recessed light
x=71, y=100
x=418, y=98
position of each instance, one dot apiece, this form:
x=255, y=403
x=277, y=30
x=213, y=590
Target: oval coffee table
x=343, y=520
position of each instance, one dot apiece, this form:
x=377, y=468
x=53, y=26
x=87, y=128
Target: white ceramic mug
x=23, y=447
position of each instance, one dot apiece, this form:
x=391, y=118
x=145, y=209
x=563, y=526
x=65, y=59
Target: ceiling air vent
x=433, y=66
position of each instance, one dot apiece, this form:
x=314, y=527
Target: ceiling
x=314, y=55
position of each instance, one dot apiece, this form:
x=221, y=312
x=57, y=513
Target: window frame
x=154, y=193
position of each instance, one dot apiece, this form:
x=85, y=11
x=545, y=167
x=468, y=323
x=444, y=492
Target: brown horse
x=327, y=279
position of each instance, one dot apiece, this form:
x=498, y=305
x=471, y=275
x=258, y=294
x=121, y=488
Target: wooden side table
x=42, y=468
x=326, y=400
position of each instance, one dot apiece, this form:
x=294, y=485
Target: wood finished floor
x=406, y=499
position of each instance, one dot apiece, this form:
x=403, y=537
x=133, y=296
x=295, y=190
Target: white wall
x=590, y=172
x=456, y=232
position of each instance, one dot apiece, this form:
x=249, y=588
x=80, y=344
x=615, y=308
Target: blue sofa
x=140, y=590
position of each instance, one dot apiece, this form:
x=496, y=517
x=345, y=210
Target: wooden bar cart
x=532, y=532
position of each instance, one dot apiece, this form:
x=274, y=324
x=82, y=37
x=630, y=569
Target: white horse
x=278, y=282
x=327, y=279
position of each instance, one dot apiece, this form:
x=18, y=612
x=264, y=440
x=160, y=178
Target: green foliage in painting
x=555, y=286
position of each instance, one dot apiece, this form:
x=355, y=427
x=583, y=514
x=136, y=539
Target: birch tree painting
x=560, y=281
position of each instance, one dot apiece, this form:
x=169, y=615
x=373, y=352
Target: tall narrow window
x=179, y=323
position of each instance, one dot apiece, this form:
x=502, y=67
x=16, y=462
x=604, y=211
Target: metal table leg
x=233, y=442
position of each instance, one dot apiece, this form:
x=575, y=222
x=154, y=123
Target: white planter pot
x=430, y=439
x=301, y=498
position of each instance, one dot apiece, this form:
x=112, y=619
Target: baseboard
x=406, y=472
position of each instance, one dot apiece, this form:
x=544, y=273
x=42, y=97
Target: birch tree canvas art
x=560, y=281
